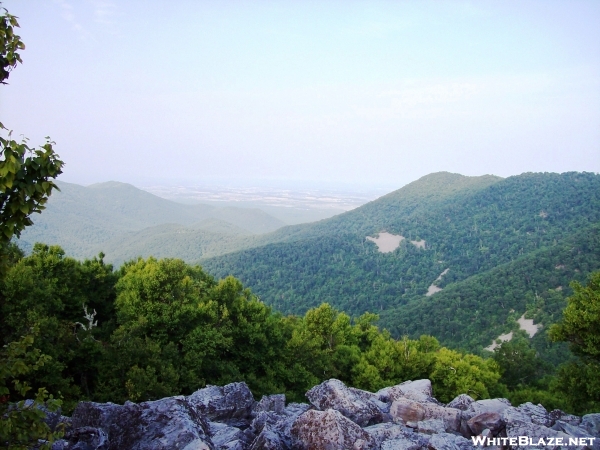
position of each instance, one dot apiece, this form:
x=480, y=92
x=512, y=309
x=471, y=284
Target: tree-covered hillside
x=469, y=314
x=87, y=220
x=470, y=225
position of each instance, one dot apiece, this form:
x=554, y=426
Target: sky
x=355, y=94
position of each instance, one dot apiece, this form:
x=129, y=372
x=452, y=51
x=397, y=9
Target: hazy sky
x=353, y=93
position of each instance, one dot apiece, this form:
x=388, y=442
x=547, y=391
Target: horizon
x=351, y=96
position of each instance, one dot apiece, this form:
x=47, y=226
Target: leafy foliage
x=22, y=423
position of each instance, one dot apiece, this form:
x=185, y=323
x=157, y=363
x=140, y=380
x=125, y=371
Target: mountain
x=446, y=224
x=87, y=220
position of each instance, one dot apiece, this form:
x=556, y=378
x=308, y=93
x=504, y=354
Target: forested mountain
x=100, y=217
x=470, y=225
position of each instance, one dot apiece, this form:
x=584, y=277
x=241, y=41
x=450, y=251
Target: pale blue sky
x=365, y=93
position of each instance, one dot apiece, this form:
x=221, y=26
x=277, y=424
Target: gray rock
x=413, y=411
x=333, y=394
x=402, y=443
x=487, y=420
x=447, y=441
x=83, y=438
x=557, y=414
x=535, y=432
x=537, y=414
x=419, y=390
x=431, y=426
x=462, y=402
x=163, y=424
x=223, y=435
x=591, y=423
x=232, y=403
x=386, y=431
x=496, y=405
x=329, y=430
x=268, y=440
x=274, y=403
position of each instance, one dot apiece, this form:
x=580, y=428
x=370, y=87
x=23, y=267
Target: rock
x=386, y=431
x=162, y=424
x=557, y=414
x=591, y=423
x=329, y=430
x=232, y=403
x=462, y=402
x=268, y=440
x=517, y=428
x=83, y=438
x=403, y=443
x=571, y=430
x=333, y=394
x=400, y=444
x=447, y=441
x=496, y=405
x=413, y=411
x=431, y=426
x=487, y=420
x=274, y=403
x=536, y=413
x=419, y=390
x=224, y=436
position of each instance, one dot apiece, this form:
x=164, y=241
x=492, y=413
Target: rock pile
x=402, y=417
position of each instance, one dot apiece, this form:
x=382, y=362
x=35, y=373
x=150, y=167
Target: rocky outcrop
x=402, y=417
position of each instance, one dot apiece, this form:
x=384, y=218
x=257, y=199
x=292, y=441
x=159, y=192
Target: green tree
x=578, y=381
x=581, y=320
x=25, y=183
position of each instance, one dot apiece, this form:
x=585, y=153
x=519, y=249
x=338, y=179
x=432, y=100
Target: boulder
x=462, y=402
x=431, y=426
x=386, y=431
x=162, y=424
x=413, y=411
x=591, y=423
x=400, y=443
x=268, y=440
x=232, y=403
x=333, y=394
x=448, y=441
x=488, y=420
x=557, y=414
x=536, y=413
x=83, y=438
x=496, y=405
x=274, y=403
x=535, y=432
x=329, y=430
x=419, y=390
x=412, y=441
x=224, y=436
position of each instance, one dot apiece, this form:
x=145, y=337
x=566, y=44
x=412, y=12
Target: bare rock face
x=356, y=406
x=162, y=424
x=413, y=411
x=329, y=430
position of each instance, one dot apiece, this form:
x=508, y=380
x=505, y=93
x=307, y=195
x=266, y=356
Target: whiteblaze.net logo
x=526, y=441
